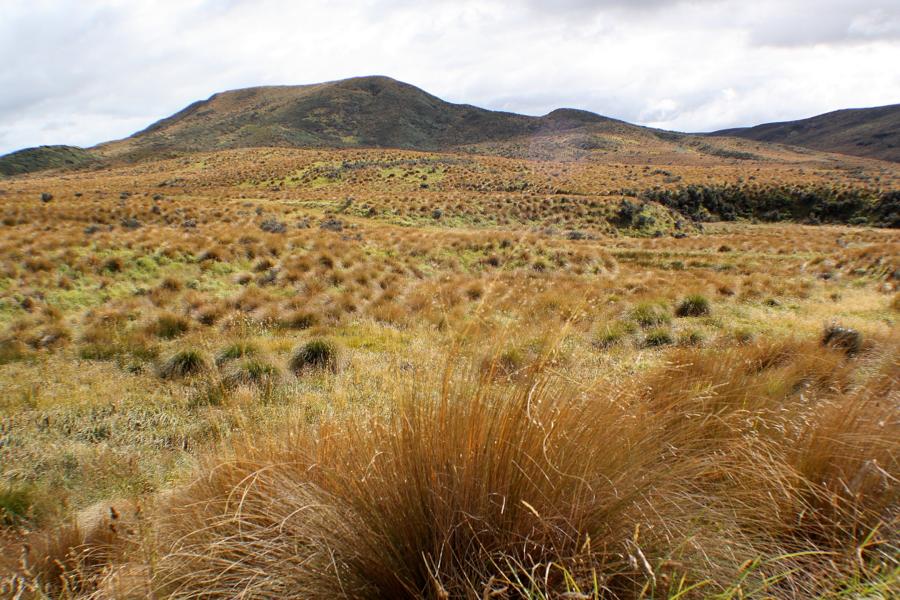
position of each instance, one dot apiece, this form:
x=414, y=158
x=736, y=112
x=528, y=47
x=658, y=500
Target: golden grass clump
x=465, y=488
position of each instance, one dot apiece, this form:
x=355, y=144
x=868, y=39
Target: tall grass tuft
x=715, y=474
x=184, y=363
x=317, y=354
x=693, y=306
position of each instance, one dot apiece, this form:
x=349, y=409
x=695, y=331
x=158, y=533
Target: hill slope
x=366, y=112
x=868, y=132
x=44, y=157
x=380, y=112
x=357, y=112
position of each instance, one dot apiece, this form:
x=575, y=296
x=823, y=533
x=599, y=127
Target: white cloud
x=85, y=71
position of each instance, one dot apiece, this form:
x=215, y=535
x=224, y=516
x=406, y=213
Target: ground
x=152, y=313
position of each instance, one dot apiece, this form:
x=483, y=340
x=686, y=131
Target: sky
x=85, y=71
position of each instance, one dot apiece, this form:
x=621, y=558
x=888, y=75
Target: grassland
x=272, y=373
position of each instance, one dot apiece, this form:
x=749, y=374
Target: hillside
x=357, y=112
x=44, y=157
x=868, y=132
x=380, y=112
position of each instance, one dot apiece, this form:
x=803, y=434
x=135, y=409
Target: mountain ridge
x=868, y=132
x=380, y=112
x=370, y=111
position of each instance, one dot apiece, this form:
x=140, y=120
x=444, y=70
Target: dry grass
x=463, y=488
x=523, y=403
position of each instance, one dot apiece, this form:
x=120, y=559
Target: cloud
x=85, y=71
x=821, y=22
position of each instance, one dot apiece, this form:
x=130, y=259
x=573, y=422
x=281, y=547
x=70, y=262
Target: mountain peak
x=369, y=111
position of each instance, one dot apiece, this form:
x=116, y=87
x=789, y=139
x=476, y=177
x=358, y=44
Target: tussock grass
x=317, y=354
x=695, y=305
x=679, y=462
x=649, y=314
x=253, y=372
x=169, y=326
x=183, y=364
x=465, y=487
x=240, y=349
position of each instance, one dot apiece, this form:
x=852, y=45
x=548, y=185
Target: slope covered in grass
x=42, y=158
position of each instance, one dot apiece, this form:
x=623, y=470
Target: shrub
x=183, y=364
x=317, y=354
x=693, y=306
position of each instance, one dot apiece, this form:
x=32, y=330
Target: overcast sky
x=85, y=71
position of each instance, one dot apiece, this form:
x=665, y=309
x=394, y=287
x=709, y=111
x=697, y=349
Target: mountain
x=358, y=112
x=365, y=112
x=867, y=132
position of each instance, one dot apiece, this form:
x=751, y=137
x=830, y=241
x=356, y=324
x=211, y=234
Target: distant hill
x=357, y=112
x=868, y=132
x=366, y=112
x=44, y=157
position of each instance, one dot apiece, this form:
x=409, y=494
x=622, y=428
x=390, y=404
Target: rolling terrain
x=869, y=132
x=247, y=353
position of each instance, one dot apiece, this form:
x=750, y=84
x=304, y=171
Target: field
x=270, y=373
